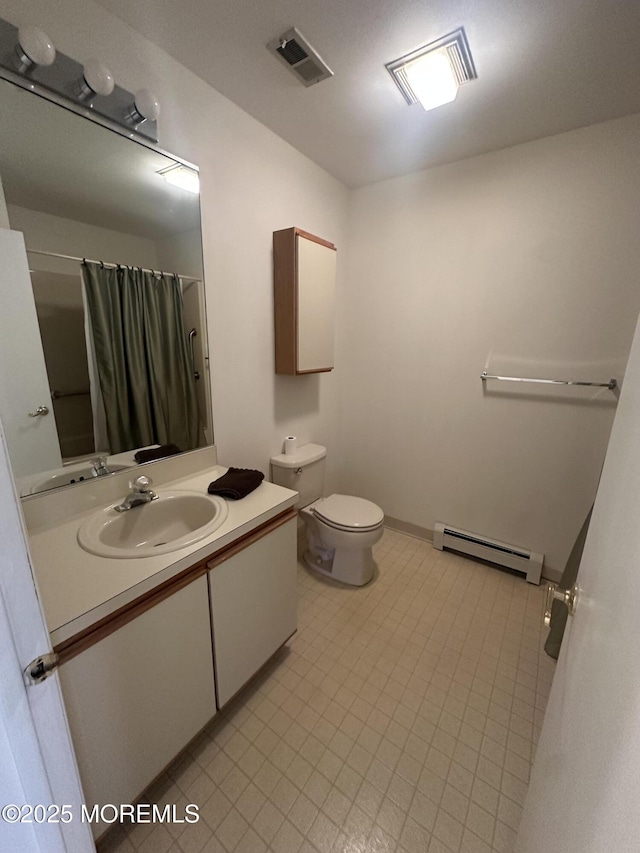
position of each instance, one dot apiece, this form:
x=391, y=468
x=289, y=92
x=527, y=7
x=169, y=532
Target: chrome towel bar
x=611, y=384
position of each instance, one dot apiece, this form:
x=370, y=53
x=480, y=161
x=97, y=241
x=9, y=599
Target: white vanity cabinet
x=304, y=272
x=138, y=696
x=253, y=606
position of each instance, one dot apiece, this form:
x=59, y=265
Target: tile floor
x=401, y=718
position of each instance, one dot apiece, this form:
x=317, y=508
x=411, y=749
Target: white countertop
x=77, y=589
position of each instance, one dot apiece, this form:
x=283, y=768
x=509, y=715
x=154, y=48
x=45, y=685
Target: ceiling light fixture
x=432, y=74
x=181, y=176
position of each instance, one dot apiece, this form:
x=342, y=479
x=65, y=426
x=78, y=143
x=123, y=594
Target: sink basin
x=173, y=521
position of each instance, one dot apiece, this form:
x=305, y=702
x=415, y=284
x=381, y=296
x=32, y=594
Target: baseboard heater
x=454, y=539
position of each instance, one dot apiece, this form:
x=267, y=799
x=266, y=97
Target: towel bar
x=611, y=384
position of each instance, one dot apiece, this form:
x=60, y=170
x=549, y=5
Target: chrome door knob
x=568, y=597
x=40, y=412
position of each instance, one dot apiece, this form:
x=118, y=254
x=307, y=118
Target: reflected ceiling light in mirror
x=181, y=176
x=144, y=107
x=432, y=74
x=34, y=48
x=96, y=80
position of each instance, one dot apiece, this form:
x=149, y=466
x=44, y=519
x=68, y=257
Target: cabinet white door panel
x=253, y=607
x=316, y=294
x=137, y=697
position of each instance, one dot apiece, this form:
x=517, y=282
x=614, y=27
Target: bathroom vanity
x=151, y=648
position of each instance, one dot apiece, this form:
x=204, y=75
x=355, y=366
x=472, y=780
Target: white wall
x=252, y=183
x=48, y=233
x=181, y=253
x=522, y=262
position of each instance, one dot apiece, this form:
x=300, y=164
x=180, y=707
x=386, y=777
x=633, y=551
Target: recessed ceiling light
x=432, y=74
x=181, y=176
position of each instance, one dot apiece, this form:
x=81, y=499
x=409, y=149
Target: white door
x=37, y=763
x=33, y=441
x=584, y=795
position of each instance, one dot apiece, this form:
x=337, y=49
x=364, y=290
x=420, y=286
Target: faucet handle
x=141, y=484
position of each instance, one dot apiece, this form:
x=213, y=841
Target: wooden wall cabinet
x=304, y=271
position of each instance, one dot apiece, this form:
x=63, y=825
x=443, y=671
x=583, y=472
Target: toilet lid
x=347, y=511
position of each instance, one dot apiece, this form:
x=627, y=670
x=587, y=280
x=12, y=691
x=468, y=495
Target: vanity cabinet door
x=304, y=286
x=253, y=607
x=138, y=696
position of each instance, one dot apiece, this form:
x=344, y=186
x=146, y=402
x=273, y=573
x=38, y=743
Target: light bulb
x=96, y=80
x=145, y=106
x=432, y=79
x=34, y=48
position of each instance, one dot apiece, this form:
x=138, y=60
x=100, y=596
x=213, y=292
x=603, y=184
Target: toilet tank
x=302, y=471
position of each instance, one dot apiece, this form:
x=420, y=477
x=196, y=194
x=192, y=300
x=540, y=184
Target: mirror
x=78, y=190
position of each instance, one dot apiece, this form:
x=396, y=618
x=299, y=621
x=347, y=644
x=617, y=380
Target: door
x=253, y=607
x=583, y=796
x=33, y=441
x=38, y=763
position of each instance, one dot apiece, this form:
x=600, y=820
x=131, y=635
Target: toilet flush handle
x=298, y=471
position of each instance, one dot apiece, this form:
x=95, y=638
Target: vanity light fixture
x=34, y=48
x=182, y=176
x=145, y=106
x=96, y=80
x=29, y=60
x=432, y=74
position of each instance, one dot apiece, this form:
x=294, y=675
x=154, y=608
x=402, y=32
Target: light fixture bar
x=63, y=81
x=457, y=48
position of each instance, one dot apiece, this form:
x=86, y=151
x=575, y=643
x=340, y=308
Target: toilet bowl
x=341, y=533
x=341, y=530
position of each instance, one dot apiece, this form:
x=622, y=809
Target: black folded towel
x=157, y=453
x=236, y=483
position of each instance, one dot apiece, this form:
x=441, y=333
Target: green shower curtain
x=144, y=367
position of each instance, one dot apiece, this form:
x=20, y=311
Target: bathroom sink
x=173, y=521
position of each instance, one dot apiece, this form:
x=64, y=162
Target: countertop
x=77, y=589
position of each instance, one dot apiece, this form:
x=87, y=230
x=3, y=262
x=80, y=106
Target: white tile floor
x=402, y=718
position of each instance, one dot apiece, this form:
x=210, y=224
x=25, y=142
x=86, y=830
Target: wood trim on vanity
x=250, y=538
x=83, y=640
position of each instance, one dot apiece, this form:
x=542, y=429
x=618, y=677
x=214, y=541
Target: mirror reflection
x=104, y=358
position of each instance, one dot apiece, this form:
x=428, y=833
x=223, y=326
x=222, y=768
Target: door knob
x=569, y=597
x=40, y=412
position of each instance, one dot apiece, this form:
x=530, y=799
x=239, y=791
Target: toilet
x=341, y=529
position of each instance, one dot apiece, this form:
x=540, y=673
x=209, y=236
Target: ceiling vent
x=294, y=51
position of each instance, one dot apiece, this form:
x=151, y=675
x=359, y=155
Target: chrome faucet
x=99, y=465
x=141, y=494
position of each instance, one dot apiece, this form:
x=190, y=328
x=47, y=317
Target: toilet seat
x=344, y=512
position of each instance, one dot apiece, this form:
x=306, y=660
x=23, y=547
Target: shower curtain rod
x=105, y=263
